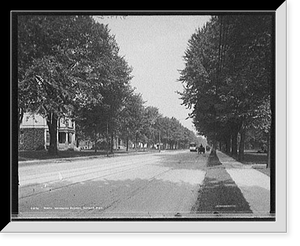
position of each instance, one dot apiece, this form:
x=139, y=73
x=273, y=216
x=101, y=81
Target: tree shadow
x=220, y=194
x=116, y=197
x=185, y=160
x=213, y=160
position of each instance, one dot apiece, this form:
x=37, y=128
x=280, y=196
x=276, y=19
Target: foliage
x=67, y=64
x=70, y=66
x=228, y=74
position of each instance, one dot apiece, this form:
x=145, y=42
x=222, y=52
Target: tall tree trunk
x=112, y=142
x=52, y=126
x=107, y=139
x=159, y=141
x=95, y=140
x=20, y=119
x=214, y=147
x=269, y=150
x=228, y=140
x=136, y=140
x=127, y=143
x=242, y=144
x=220, y=145
x=234, y=136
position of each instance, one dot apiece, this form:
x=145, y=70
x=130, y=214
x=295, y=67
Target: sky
x=154, y=47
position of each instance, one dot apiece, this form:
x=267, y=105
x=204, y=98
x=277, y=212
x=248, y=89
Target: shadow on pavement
x=213, y=160
x=119, y=197
x=219, y=193
x=221, y=197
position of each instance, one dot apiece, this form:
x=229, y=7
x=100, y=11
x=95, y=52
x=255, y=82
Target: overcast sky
x=154, y=47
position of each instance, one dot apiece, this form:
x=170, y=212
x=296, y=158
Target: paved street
x=157, y=185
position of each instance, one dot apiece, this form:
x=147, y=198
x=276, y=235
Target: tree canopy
x=65, y=64
x=69, y=66
x=228, y=76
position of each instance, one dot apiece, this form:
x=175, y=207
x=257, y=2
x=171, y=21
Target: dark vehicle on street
x=193, y=147
x=201, y=149
x=207, y=148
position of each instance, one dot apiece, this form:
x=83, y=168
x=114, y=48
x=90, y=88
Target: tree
x=131, y=117
x=200, y=78
x=66, y=64
x=115, y=92
x=249, y=67
x=152, y=127
x=228, y=75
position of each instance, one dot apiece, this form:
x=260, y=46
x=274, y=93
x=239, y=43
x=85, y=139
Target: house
x=34, y=133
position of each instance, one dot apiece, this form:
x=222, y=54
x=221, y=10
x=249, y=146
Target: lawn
x=252, y=157
x=44, y=155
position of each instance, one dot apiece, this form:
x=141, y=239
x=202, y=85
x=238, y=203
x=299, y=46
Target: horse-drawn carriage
x=201, y=149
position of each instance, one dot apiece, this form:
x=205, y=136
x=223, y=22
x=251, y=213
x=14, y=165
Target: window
x=61, y=137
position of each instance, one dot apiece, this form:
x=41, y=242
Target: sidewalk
x=254, y=185
x=232, y=188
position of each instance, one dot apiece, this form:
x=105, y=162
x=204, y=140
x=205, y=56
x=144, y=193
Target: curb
x=57, y=160
x=78, y=158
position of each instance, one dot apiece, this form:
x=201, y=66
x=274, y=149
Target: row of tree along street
x=229, y=80
x=69, y=66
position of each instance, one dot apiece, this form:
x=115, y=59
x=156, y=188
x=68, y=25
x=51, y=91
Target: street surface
x=169, y=184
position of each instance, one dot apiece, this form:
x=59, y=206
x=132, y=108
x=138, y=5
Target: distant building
x=34, y=133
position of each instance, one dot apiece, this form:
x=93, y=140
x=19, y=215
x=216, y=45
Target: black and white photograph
x=145, y=116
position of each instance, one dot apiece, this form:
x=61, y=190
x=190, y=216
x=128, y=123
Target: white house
x=34, y=133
